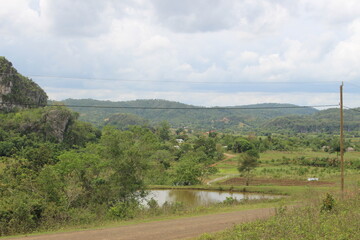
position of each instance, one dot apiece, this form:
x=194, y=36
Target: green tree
x=126, y=153
x=247, y=162
x=189, y=170
x=208, y=146
x=163, y=131
x=242, y=145
x=81, y=172
x=179, y=130
x=80, y=133
x=158, y=172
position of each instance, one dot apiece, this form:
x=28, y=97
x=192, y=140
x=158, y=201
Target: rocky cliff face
x=17, y=91
x=57, y=122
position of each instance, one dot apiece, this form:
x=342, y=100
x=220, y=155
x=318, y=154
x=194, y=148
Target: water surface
x=199, y=197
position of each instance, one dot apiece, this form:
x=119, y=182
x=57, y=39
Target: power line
x=352, y=109
x=173, y=81
x=201, y=108
x=183, y=108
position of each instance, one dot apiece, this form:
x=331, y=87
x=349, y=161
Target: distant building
x=350, y=149
x=313, y=179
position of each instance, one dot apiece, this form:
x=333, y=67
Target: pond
x=199, y=197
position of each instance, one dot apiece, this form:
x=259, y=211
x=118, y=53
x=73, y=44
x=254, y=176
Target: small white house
x=179, y=140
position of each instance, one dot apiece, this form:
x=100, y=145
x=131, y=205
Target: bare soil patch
x=239, y=181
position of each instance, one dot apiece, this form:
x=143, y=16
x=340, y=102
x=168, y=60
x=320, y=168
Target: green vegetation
x=124, y=120
x=241, y=120
x=277, y=119
x=57, y=171
x=327, y=219
x=325, y=121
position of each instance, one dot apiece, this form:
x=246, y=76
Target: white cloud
x=217, y=15
x=202, y=41
x=18, y=20
x=77, y=17
x=331, y=11
x=154, y=44
x=344, y=60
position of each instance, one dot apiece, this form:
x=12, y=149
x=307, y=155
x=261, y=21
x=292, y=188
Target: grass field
x=340, y=221
x=277, y=173
x=272, y=165
x=328, y=217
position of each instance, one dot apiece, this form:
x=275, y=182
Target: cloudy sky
x=202, y=52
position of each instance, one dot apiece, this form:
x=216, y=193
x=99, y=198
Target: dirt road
x=227, y=157
x=163, y=230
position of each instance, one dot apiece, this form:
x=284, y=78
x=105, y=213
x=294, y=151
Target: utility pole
x=342, y=138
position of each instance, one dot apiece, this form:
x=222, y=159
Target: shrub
x=153, y=204
x=229, y=201
x=328, y=203
x=124, y=210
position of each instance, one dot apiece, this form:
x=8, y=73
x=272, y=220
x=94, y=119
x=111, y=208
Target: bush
x=19, y=214
x=153, y=204
x=328, y=203
x=229, y=201
x=124, y=210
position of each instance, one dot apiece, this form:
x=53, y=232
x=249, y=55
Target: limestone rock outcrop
x=17, y=91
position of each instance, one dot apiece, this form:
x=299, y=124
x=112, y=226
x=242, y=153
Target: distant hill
x=178, y=114
x=325, y=121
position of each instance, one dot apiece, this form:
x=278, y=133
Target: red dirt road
x=163, y=230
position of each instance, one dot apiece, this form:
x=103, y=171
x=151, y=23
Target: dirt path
x=227, y=157
x=163, y=230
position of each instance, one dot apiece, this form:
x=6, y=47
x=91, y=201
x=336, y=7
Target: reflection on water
x=198, y=197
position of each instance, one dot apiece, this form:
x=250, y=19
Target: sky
x=200, y=52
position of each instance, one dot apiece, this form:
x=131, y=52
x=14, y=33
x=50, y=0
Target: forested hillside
x=260, y=118
x=183, y=115
x=325, y=121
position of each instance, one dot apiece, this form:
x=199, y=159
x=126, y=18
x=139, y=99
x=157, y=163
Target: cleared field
x=278, y=168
